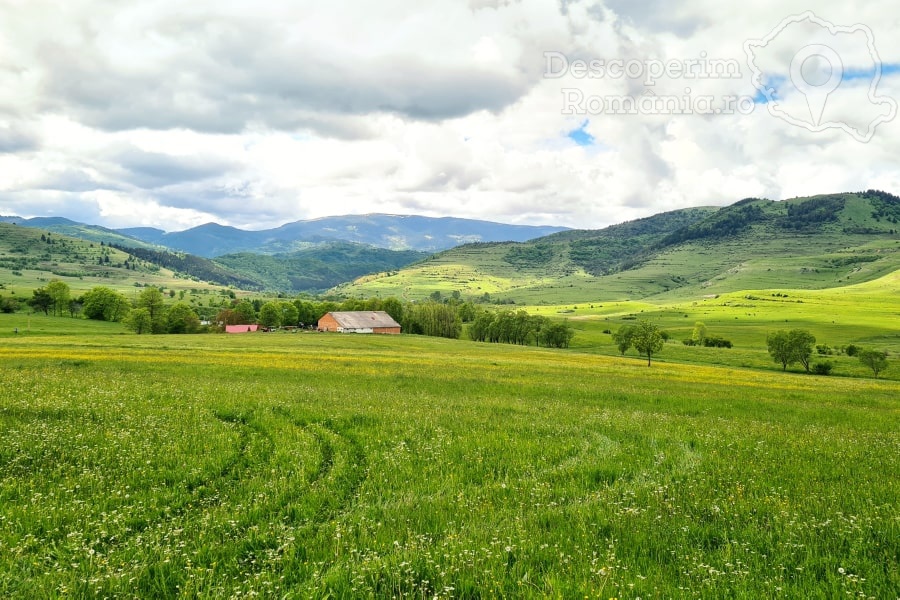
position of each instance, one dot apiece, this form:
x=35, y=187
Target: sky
x=577, y=113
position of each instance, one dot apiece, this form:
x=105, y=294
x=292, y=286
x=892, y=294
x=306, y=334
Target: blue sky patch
x=580, y=136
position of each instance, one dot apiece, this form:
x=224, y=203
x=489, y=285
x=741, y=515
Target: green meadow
x=292, y=465
x=866, y=315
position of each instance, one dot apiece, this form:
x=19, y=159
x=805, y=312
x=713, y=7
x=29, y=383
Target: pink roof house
x=240, y=328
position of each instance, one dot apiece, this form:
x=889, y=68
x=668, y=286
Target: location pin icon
x=816, y=94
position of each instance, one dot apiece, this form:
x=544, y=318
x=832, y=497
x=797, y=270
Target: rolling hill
x=318, y=267
x=91, y=233
x=811, y=243
x=30, y=256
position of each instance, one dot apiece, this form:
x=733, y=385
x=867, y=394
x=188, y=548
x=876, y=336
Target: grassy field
x=312, y=465
x=866, y=314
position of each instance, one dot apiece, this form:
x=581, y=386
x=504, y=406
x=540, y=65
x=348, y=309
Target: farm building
x=364, y=321
x=240, y=328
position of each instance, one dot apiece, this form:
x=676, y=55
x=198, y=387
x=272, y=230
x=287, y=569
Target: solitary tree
x=780, y=348
x=699, y=333
x=624, y=338
x=647, y=339
x=875, y=360
x=41, y=301
x=788, y=347
x=8, y=305
x=802, y=343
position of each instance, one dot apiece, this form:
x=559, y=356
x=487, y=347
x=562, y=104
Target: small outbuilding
x=361, y=321
x=241, y=328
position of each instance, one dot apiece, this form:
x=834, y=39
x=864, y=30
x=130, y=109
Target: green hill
x=318, y=267
x=811, y=243
x=196, y=267
x=31, y=257
x=91, y=233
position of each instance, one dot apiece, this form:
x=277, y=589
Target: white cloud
x=172, y=114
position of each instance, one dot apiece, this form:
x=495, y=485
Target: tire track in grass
x=341, y=470
x=139, y=530
x=254, y=446
x=264, y=534
x=199, y=490
x=333, y=489
x=244, y=522
x=240, y=460
x=210, y=491
x=356, y=463
x=219, y=531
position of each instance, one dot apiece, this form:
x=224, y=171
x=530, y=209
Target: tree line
x=438, y=316
x=519, y=327
x=788, y=347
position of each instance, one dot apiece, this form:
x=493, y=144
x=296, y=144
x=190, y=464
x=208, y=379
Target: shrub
x=823, y=368
x=715, y=341
x=852, y=350
x=9, y=305
x=689, y=342
x=824, y=349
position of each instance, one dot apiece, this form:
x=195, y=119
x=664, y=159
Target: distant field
x=305, y=465
x=866, y=314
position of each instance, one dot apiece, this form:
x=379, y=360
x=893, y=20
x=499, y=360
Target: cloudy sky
x=583, y=113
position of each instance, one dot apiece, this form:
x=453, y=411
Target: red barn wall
x=328, y=323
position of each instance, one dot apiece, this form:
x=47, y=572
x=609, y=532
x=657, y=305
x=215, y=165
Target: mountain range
x=393, y=232
x=754, y=244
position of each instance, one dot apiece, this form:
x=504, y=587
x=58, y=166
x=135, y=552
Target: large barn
x=362, y=321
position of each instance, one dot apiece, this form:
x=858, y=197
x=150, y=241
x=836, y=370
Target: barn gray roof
x=364, y=319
